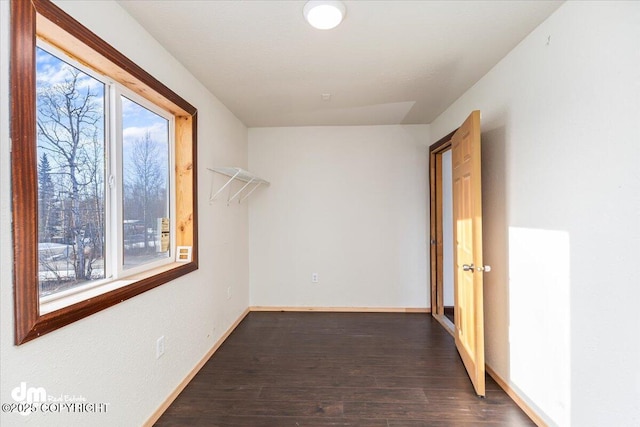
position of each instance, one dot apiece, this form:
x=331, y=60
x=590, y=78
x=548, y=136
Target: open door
x=467, y=235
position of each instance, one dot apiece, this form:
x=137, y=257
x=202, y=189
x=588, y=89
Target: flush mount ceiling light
x=324, y=15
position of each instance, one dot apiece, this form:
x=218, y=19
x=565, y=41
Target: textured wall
x=349, y=203
x=561, y=213
x=109, y=357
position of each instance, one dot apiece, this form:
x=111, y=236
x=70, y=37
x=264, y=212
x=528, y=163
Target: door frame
x=436, y=237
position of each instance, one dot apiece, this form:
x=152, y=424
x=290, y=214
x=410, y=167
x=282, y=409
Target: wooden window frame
x=35, y=19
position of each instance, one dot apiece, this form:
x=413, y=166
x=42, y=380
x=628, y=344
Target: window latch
x=112, y=181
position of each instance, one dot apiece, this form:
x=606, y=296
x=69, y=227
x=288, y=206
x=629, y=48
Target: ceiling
x=388, y=62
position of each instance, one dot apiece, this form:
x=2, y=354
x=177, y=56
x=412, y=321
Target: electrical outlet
x=159, y=347
x=314, y=277
x=229, y=292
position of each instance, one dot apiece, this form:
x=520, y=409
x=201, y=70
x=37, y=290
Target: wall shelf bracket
x=252, y=182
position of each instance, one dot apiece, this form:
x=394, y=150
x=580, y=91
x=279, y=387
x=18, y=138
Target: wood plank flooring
x=338, y=369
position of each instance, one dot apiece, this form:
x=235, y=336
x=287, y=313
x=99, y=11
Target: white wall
x=109, y=357
x=349, y=203
x=561, y=147
x=561, y=186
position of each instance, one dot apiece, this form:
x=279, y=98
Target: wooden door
x=467, y=234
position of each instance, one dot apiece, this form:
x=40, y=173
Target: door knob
x=472, y=268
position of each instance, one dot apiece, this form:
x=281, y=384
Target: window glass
x=73, y=202
x=71, y=170
x=146, y=165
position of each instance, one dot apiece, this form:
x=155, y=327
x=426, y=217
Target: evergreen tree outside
x=70, y=123
x=72, y=171
x=47, y=200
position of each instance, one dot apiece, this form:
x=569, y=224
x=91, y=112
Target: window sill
x=42, y=19
x=52, y=303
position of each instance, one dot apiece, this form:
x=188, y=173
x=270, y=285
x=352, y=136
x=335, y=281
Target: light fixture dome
x=324, y=15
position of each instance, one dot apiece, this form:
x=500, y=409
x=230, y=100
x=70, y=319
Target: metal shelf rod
x=239, y=175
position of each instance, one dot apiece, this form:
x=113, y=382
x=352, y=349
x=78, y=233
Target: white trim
x=116, y=234
x=81, y=293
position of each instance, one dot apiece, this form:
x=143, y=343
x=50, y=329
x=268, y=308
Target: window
x=146, y=168
x=92, y=229
x=70, y=141
x=103, y=173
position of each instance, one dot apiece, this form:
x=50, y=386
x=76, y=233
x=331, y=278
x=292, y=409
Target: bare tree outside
x=70, y=123
x=73, y=219
x=145, y=184
x=146, y=170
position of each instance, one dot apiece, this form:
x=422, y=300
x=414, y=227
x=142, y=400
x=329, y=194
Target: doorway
x=455, y=171
x=440, y=181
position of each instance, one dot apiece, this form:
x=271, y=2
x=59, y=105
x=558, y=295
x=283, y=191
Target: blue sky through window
x=72, y=118
x=137, y=120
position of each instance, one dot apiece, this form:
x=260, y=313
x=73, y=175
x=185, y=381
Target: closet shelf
x=237, y=174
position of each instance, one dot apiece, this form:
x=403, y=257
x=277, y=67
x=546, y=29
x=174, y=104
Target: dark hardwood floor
x=338, y=369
